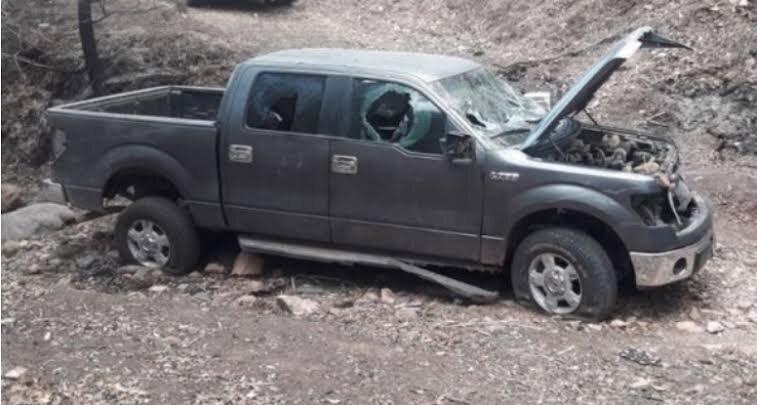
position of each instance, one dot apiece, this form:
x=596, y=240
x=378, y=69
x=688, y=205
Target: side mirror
x=459, y=148
x=541, y=98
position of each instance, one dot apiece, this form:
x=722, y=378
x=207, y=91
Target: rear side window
x=285, y=102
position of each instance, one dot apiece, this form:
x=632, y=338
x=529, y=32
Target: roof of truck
x=427, y=67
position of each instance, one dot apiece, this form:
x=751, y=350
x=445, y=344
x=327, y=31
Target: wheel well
x=137, y=183
x=595, y=227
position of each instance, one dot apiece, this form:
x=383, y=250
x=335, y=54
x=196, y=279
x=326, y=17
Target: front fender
x=568, y=197
x=501, y=218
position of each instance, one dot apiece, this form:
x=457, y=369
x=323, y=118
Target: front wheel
x=155, y=232
x=565, y=272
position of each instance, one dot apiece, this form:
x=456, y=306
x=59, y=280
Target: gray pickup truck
x=392, y=159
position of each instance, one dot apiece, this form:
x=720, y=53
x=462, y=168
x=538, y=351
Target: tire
x=163, y=219
x=566, y=248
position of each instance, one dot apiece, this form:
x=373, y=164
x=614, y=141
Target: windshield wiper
x=510, y=132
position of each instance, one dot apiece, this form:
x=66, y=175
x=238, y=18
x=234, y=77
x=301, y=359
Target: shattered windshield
x=493, y=108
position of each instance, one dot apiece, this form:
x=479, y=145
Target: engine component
x=616, y=151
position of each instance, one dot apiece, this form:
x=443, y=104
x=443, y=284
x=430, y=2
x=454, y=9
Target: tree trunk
x=89, y=46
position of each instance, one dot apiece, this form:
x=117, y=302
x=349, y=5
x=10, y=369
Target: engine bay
x=615, y=149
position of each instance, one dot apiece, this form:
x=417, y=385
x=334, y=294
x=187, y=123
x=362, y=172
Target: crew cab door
x=392, y=188
x=274, y=157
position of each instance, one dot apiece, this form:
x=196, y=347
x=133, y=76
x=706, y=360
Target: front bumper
x=656, y=269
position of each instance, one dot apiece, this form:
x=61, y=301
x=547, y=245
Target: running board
x=331, y=255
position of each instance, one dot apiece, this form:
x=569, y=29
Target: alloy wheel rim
x=148, y=243
x=555, y=284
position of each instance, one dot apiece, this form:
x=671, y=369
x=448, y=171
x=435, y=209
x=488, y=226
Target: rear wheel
x=155, y=232
x=564, y=272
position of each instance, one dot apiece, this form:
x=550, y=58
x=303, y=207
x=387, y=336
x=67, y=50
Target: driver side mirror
x=460, y=148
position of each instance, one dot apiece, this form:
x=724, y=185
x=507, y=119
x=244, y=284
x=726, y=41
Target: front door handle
x=240, y=153
x=343, y=164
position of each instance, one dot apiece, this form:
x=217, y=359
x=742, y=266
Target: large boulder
x=27, y=221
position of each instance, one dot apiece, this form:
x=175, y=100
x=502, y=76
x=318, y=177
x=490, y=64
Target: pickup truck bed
x=176, y=122
x=167, y=101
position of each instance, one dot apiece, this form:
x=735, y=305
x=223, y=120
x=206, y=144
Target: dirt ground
x=87, y=330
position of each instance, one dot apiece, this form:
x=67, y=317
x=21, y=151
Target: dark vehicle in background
x=392, y=159
x=199, y=3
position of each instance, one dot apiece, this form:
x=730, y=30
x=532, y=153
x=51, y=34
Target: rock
x=25, y=222
x=216, y=268
x=245, y=301
x=345, y=303
x=689, y=326
x=247, y=264
x=387, y=296
x=739, y=3
x=129, y=269
x=744, y=305
x=67, y=250
x=139, y=277
x=641, y=383
x=85, y=262
x=407, y=314
x=296, y=305
x=158, y=288
x=618, y=323
x=254, y=286
x=752, y=316
x=15, y=373
x=639, y=357
x=33, y=269
x=368, y=297
x=695, y=315
x=11, y=247
x=11, y=197
x=144, y=274
x=715, y=327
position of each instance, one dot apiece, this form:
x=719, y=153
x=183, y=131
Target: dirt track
x=113, y=340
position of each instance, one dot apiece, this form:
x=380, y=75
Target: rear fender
x=142, y=158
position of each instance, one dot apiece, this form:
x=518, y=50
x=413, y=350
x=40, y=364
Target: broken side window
x=395, y=113
x=285, y=102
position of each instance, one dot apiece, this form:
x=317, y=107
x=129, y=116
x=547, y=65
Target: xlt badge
x=504, y=176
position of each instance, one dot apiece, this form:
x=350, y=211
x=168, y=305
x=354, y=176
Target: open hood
x=581, y=93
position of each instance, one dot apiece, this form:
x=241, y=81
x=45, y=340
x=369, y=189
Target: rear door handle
x=343, y=164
